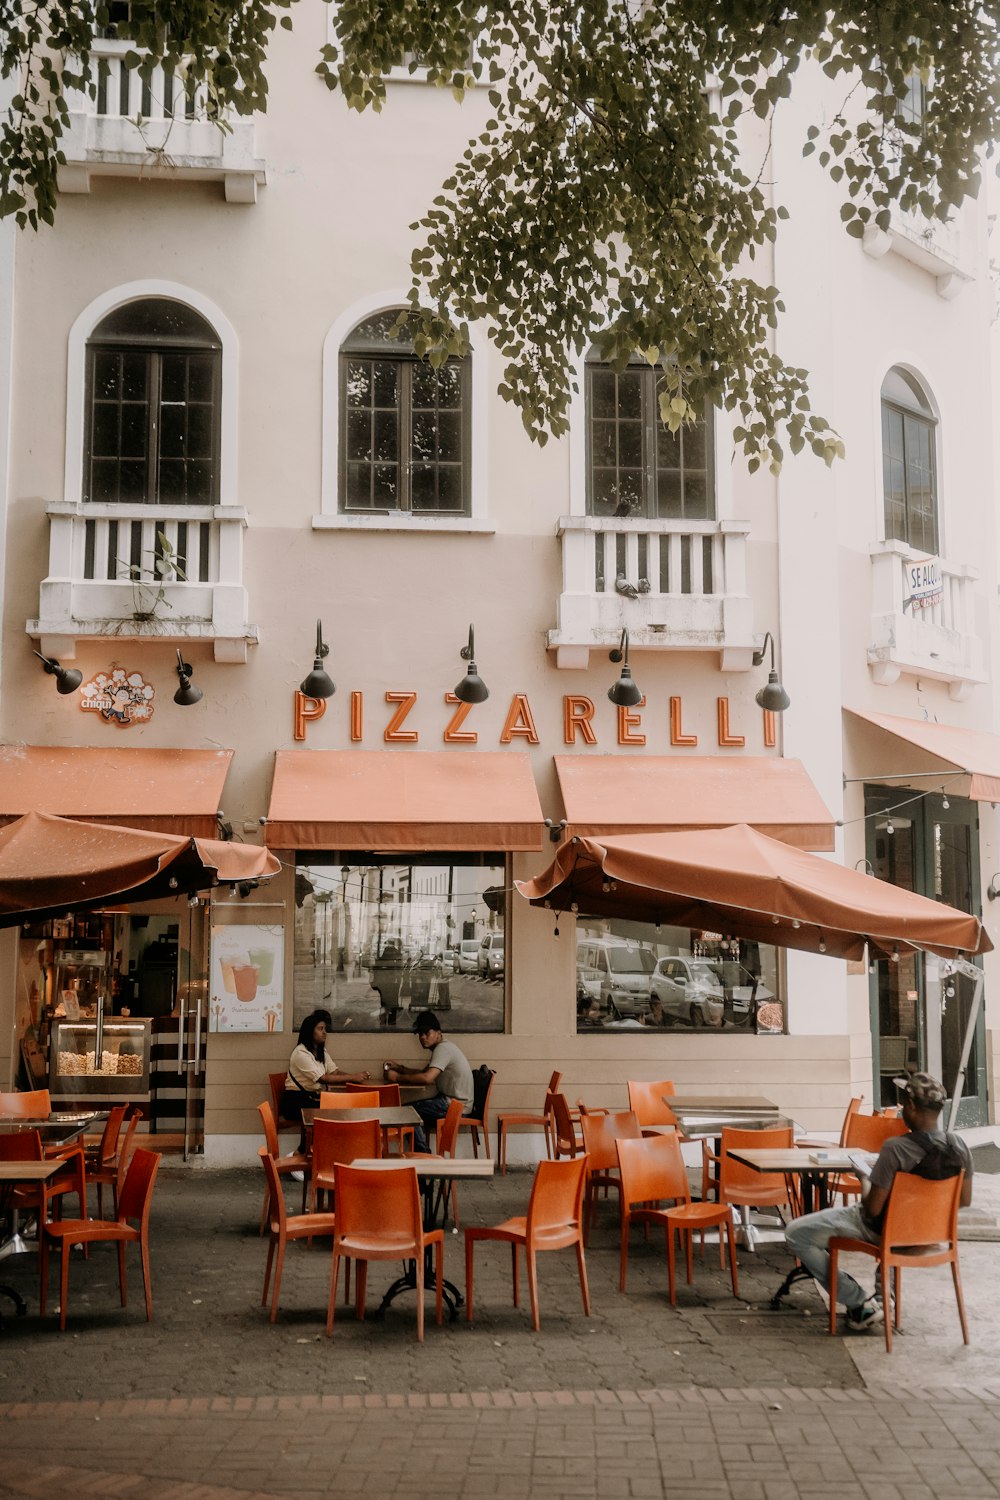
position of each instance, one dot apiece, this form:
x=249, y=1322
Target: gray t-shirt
x=455, y=1080
x=904, y=1153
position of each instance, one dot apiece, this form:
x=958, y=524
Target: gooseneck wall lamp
x=993, y=889
x=472, y=688
x=186, y=693
x=68, y=679
x=625, y=693
x=772, y=696
x=319, y=683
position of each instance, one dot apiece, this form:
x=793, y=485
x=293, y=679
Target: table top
x=791, y=1161
x=696, y=1125
x=433, y=1166
x=28, y=1171
x=53, y=1131
x=717, y=1103
x=387, y=1114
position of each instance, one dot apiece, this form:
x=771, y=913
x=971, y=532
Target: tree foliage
x=609, y=198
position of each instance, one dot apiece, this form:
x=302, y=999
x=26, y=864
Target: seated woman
x=311, y=1068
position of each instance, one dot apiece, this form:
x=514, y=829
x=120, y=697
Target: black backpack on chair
x=943, y=1156
x=481, y=1080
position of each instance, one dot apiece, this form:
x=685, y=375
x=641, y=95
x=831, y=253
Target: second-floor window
x=635, y=466
x=405, y=427
x=909, y=466
x=154, y=371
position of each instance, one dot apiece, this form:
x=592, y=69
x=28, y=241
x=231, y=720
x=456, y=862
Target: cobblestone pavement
x=719, y=1398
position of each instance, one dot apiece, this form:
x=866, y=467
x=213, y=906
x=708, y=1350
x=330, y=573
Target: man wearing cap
x=448, y=1071
x=808, y=1237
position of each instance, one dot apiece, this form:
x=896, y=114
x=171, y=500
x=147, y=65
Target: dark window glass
x=153, y=383
x=405, y=440
x=909, y=477
x=635, y=465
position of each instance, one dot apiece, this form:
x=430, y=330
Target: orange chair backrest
x=556, y=1202
x=555, y=1083
x=277, y=1083
x=126, y=1147
x=362, y=1099
x=380, y=1202
x=922, y=1211
x=870, y=1132
x=601, y=1134
x=556, y=1104
x=733, y=1174
x=652, y=1170
x=137, y=1189
x=447, y=1133
x=26, y=1104
x=646, y=1100
x=339, y=1142
x=21, y=1145
x=270, y=1129
x=852, y=1110
x=388, y=1093
x=112, y=1130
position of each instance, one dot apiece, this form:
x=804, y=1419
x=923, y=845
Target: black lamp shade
x=187, y=693
x=773, y=696
x=318, y=684
x=68, y=679
x=472, y=688
x=625, y=693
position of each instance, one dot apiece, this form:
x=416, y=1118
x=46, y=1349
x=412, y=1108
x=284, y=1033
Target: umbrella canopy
x=51, y=865
x=743, y=884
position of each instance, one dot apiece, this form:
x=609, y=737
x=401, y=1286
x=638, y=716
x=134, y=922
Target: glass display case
x=99, y=1061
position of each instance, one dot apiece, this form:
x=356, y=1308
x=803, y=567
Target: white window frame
x=76, y=381
x=331, y=518
x=912, y=367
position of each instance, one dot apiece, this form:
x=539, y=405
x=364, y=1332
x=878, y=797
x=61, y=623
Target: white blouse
x=306, y=1070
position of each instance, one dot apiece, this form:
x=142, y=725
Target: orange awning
x=385, y=799
x=975, y=752
x=612, y=794
x=169, y=791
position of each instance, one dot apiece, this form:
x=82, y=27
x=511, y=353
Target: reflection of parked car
x=740, y=985
x=468, y=956
x=623, y=968
x=491, y=956
x=689, y=990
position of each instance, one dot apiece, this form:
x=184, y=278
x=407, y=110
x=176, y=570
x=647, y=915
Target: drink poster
x=247, y=992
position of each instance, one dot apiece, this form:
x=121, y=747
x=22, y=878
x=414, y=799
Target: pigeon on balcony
x=624, y=508
x=643, y=585
x=622, y=586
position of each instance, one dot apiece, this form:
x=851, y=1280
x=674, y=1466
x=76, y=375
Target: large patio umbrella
x=741, y=883
x=51, y=865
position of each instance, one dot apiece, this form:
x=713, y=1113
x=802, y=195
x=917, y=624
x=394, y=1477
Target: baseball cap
x=425, y=1022
x=922, y=1089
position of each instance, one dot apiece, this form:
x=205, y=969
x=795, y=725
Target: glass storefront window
x=632, y=975
x=378, y=939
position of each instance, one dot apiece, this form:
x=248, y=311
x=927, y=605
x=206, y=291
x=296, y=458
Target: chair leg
x=438, y=1284
x=267, y=1271
x=689, y=1247
x=470, y=1246
x=420, y=1296
x=332, y=1299
x=279, y=1266
x=671, y=1265
x=832, y=1287
x=361, y=1289
x=732, y=1254
x=474, y=1132
x=514, y=1276
x=486, y=1138
x=502, y=1146
x=584, y=1288
x=623, y=1251
x=63, y=1284
x=43, y=1264
x=956, y=1278
x=529, y=1256
x=122, y=1273
x=146, y=1277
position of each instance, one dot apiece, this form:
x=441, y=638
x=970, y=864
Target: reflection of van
x=618, y=970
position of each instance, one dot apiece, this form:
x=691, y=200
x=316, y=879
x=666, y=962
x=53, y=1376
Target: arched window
x=909, y=477
x=154, y=369
x=404, y=426
x=635, y=466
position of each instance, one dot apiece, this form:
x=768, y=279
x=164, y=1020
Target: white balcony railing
x=676, y=585
x=939, y=641
x=937, y=248
x=135, y=127
x=111, y=578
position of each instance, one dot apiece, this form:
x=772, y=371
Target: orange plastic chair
x=284, y=1227
x=134, y=1202
x=601, y=1134
x=276, y=1082
x=26, y=1104
x=295, y=1161
x=920, y=1229
x=864, y=1133
x=102, y=1157
x=553, y=1222
x=349, y=1099
x=741, y=1186
x=447, y=1142
x=26, y=1145
x=652, y=1171
x=379, y=1218
x=336, y=1143
x=508, y=1117
x=810, y=1143
x=646, y=1102
x=112, y=1174
x=481, y=1121
x=565, y=1140
x=388, y=1098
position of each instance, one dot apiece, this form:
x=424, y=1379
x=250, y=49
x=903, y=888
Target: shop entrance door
x=928, y=843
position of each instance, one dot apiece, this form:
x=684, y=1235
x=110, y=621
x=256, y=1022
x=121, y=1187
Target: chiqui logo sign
x=120, y=697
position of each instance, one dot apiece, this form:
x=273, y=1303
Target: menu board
x=247, y=978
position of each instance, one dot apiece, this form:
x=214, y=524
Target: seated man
x=808, y=1237
x=448, y=1070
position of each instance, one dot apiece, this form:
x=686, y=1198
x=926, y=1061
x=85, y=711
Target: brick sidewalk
x=716, y=1398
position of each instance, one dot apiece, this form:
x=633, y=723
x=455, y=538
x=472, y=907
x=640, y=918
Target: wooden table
x=389, y=1117
x=54, y=1129
x=433, y=1172
x=16, y=1174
